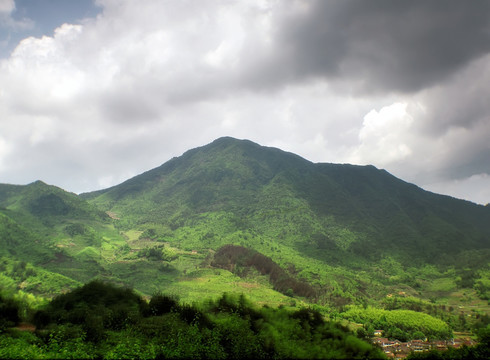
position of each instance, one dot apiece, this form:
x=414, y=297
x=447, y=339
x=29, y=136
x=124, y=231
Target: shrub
x=9, y=313
x=162, y=304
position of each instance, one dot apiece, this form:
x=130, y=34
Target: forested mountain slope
x=322, y=208
x=331, y=234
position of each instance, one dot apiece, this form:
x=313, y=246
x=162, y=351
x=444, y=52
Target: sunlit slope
x=49, y=228
x=37, y=215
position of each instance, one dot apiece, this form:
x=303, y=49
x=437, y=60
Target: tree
x=362, y=333
x=9, y=313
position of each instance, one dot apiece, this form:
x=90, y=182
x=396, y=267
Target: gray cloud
x=474, y=188
x=376, y=46
x=461, y=101
x=457, y=112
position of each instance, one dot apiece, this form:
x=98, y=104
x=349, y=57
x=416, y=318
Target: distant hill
x=45, y=226
x=44, y=201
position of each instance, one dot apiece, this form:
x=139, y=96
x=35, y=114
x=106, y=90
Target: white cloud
x=4, y=151
x=40, y=74
x=383, y=136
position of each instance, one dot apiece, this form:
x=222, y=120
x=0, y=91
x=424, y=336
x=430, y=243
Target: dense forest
x=99, y=320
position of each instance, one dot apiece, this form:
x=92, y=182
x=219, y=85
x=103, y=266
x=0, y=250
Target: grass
x=442, y=284
x=212, y=283
x=33, y=279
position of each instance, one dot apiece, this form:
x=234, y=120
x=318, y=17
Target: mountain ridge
x=227, y=140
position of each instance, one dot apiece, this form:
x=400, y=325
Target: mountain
x=236, y=216
x=323, y=209
x=316, y=241
x=50, y=230
x=40, y=211
x=49, y=204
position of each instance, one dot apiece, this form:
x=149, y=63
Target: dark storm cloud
x=460, y=102
x=457, y=112
x=377, y=46
x=479, y=163
x=473, y=158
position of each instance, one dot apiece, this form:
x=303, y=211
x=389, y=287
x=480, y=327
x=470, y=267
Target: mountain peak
x=225, y=142
x=228, y=140
x=38, y=183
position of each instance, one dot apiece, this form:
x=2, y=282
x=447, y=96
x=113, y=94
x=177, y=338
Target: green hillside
x=46, y=205
x=237, y=217
x=42, y=228
x=321, y=207
x=321, y=219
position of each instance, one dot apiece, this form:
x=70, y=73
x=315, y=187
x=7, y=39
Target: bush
x=9, y=313
x=101, y=321
x=41, y=319
x=162, y=304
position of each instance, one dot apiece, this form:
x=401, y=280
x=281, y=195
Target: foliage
x=9, y=313
x=91, y=305
x=480, y=351
x=291, y=232
x=239, y=259
x=400, y=324
x=482, y=284
x=100, y=320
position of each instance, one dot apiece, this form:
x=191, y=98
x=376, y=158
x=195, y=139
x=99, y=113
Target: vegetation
x=400, y=324
x=351, y=242
x=100, y=320
x=239, y=260
x=480, y=351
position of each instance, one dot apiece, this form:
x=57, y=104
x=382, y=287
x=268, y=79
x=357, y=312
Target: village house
x=389, y=354
x=440, y=345
x=420, y=345
x=395, y=349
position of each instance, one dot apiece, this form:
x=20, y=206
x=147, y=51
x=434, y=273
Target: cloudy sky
x=95, y=92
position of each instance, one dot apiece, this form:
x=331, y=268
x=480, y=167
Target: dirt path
x=25, y=327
